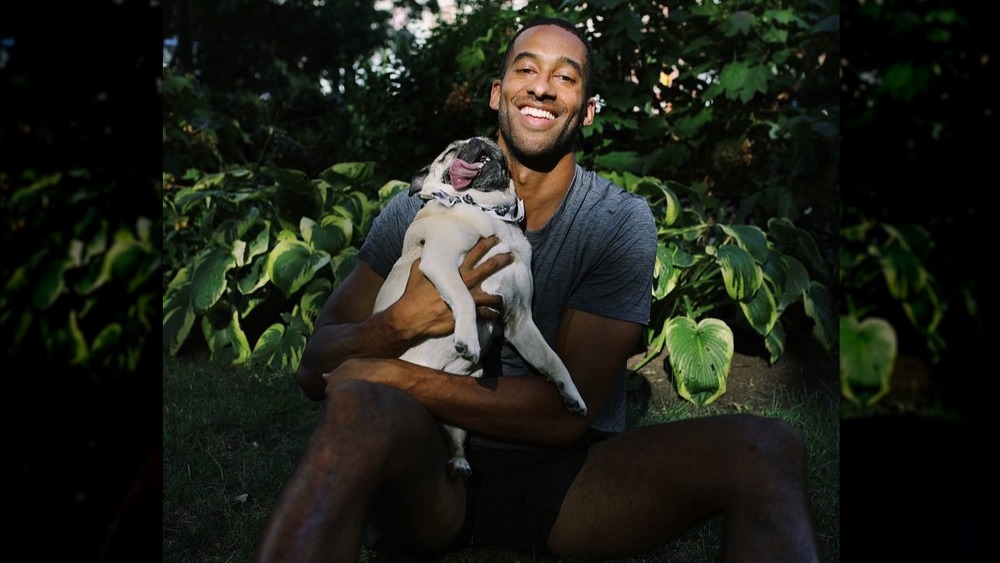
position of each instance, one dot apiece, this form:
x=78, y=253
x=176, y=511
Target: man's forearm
x=517, y=409
x=379, y=336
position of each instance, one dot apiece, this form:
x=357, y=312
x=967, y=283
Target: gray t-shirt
x=595, y=255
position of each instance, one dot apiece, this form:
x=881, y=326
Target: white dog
x=470, y=195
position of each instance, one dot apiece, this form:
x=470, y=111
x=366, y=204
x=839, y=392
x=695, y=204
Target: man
x=543, y=480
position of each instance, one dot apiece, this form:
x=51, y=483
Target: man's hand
x=424, y=312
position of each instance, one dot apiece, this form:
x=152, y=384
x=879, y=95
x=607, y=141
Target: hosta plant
x=253, y=254
x=709, y=275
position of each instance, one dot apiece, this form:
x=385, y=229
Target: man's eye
x=523, y=71
x=568, y=79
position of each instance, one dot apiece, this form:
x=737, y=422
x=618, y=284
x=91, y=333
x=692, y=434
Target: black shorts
x=515, y=494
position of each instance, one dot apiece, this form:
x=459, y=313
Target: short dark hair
x=588, y=79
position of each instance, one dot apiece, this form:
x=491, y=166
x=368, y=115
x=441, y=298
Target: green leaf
x=664, y=273
x=620, y=161
x=687, y=126
x=700, y=355
x=742, y=81
x=740, y=22
x=658, y=195
x=760, y=310
x=178, y=314
x=469, y=59
x=904, y=274
x=390, y=189
x=741, y=274
x=343, y=264
x=818, y=307
x=749, y=238
x=76, y=341
x=279, y=348
x=775, y=342
x=106, y=341
x=51, y=284
x=330, y=235
x=208, y=282
x=226, y=341
x=794, y=241
x=867, y=355
x=253, y=278
x=292, y=264
x=313, y=298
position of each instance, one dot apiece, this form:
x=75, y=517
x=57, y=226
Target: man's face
x=540, y=97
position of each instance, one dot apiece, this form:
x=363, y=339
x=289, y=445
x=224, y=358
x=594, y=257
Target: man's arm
x=346, y=328
x=526, y=410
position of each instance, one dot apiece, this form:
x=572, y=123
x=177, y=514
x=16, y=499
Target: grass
x=233, y=436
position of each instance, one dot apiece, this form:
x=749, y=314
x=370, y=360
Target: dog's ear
x=417, y=183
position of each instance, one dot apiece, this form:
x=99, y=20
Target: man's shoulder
x=609, y=195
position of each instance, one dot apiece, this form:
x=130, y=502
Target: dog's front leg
x=458, y=466
x=440, y=261
x=523, y=334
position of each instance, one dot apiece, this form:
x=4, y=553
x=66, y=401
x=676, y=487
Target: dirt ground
x=805, y=369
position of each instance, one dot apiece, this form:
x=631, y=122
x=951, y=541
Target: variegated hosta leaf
x=259, y=243
x=343, y=264
x=50, y=284
x=178, y=316
x=817, y=304
x=390, y=189
x=663, y=272
x=292, y=264
x=280, y=347
x=788, y=276
x=760, y=310
x=254, y=277
x=226, y=341
x=924, y=310
x=904, y=274
x=330, y=235
x=775, y=342
x=208, y=282
x=749, y=238
x=236, y=229
x=867, y=355
x=700, y=355
x=313, y=298
x=740, y=273
x=657, y=193
x=792, y=240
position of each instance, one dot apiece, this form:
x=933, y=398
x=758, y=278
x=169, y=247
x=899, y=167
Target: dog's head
x=470, y=165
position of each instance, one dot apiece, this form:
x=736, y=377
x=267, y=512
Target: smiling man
x=374, y=471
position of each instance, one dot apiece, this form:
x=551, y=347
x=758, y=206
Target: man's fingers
x=479, y=250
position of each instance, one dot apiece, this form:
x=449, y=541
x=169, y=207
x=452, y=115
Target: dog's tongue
x=462, y=173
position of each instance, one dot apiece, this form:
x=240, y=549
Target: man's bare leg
x=376, y=454
x=641, y=489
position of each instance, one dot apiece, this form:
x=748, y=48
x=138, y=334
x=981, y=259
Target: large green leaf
x=253, y=277
x=740, y=273
x=343, y=264
x=660, y=196
x=313, y=298
x=178, y=312
x=775, y=342
x=700, y=355
x=818, y=307
x=50, y=284
x=743, y=81
x=749, y=238
x=664, y=272
x=226, y=341
x=208, y=282
x=330, y=235
x=279, y=347
x=867, y=355
x=760, y=310
x=292, y=264
x=903, y=271
x=794, y=241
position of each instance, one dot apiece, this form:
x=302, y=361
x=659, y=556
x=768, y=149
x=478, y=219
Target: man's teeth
x=534, y=112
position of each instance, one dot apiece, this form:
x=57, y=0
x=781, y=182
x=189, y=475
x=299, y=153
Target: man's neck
x=542, y=190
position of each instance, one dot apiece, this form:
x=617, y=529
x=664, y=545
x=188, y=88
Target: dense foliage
x=724, y=116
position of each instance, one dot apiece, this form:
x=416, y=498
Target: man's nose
x=541, y=86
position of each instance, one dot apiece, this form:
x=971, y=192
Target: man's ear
x=495, y=95
x=417, y=183
x=589, y=111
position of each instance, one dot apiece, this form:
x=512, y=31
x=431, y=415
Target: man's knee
x=771, y=443
x=379, y=413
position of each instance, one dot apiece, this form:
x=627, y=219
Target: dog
x=469, y=194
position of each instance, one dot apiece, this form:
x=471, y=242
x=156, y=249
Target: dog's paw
x=459, y=468
x=575, y=406
x=467, y=350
